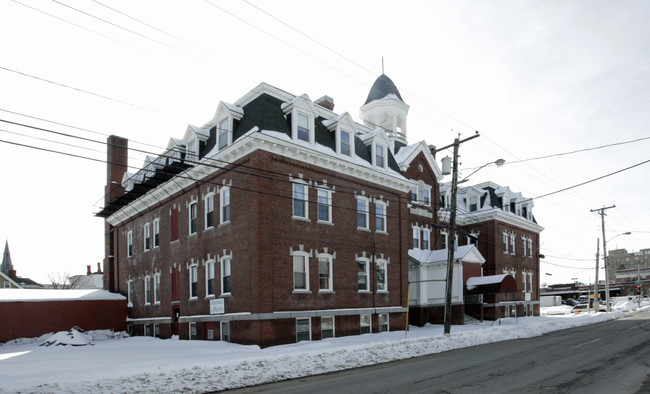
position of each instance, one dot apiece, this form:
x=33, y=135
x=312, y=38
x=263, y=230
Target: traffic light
x=638, y=289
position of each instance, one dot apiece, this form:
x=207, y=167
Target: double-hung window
x=300, y=201
x=380, y=156
x=505, y=242
x=156, y=288
x=366, y=321
x=225, y=205
x=147, y=236
x=325, y=273
x=513, y=239
x=416, y=238
x=129, y=243
x=209, y=211
x=130, y=292
x=383, y=322
x=209, y=278
x=382, y=280
x=156, y=233
x=225, y=275
x=225, y=331
x=303, y=127
x=426, y=196
x=362, y=213
x=192, y=216
x=380, y=216
x=362, y=274
x=346, y=143
x=324, y=205
x=530, y=248
x=147, y=290
x=222, y=132
x=300, y=272
x=425, y=238
x=194, y=281
x=303, y=329
x=327, y=327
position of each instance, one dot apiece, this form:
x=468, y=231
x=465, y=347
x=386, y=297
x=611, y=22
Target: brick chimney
x=88, y=272
x=326, y=102
x=117, y=164
x=99, y=268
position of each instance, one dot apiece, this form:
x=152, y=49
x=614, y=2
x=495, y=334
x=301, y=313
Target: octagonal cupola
x=385, y=108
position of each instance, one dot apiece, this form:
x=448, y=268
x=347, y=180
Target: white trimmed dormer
x=223, y=120
x=343, y=128
x=302, y=112
x=192, y=138
x=379, y=144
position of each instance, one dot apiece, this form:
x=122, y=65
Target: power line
x=75, y=88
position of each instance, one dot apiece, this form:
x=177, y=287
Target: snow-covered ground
x=144, y=364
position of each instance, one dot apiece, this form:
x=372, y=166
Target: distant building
x=9, y=272
x=629, y=269
x=92, y=280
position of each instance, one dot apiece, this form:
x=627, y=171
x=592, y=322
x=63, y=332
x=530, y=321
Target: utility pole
x=596, y=294
x=451, y=240
x=601, y=212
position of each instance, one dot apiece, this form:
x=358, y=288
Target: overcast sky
x=535, y=78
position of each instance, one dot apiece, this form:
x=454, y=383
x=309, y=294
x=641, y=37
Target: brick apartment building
x=500, y=222
x=278, y=221
x=630, y=271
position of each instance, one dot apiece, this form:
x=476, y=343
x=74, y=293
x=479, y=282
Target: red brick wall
x=33, y=319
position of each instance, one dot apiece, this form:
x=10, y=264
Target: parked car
x=569, y=301
x=584, y=307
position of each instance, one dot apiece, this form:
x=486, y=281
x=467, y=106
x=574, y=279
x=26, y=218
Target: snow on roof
x=434, y=256
x=484, y=280
x=234, y=108
x=405, y=152
x=13, y=295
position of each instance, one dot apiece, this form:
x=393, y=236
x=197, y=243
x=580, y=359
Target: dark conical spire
x=6, y=266
x=382, y=87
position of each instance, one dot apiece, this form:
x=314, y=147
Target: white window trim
x=384, y=155
x=195, y=296
x=209, y=263
x=189, y=217
x=339, y=140
x=303, y=318
x=223, y=191
x=505, y=242
x=294, y=125
x=222, y=261
x=426, y=233
x=156, y=296
x=387, y=322
x=129, y=244
x=228, y=131
x=129, y=293
x=367, y=272
x=367, y=212
x=156, y=231
x=513, y=241
x=305, y=202
x=329, y=205
x=333, y=325
x=205, y=211
x=420, y=187
x=383, y=262
x=416, y=231
x=306, y=256
x=147, y=290
x=190, y=325
x=147, y=237
x=330, y=261
x=384, y=204
x=221, y=331
x=524, y=244
x=370, y=325
x=445, y=239
x=530, y=247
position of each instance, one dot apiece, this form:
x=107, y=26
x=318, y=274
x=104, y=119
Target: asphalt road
x=609, y=357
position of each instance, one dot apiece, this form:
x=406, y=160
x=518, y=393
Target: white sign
x=527, y=296
x=217, y=306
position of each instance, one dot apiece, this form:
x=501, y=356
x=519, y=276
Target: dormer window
x=192, y=151
x=223, y=131
x=346, y=143
x=380, y=156
x=303, y=127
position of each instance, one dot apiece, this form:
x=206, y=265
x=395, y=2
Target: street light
x=452, y=223
x=499, y=163
x=607, y=267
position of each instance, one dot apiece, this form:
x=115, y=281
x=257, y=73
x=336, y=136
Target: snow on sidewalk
x=145, y=364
